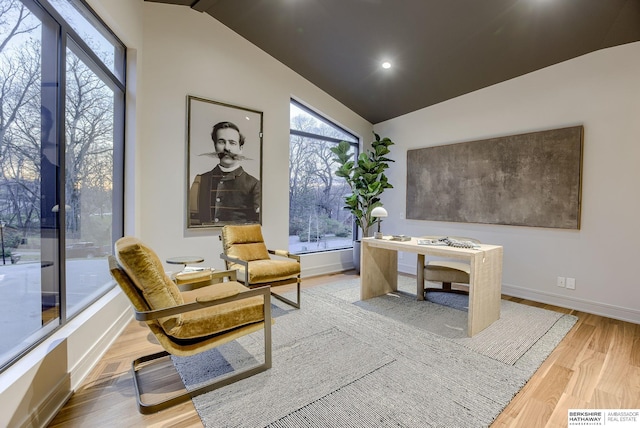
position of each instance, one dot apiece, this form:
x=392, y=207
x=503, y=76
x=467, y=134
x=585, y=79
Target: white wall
x=190, y=53
x=601, y=91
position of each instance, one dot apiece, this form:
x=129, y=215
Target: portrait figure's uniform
x=218, y=197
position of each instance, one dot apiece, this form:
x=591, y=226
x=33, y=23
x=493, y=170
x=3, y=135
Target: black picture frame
x=215, y=198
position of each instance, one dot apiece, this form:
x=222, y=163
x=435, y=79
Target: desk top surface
x=413, y=246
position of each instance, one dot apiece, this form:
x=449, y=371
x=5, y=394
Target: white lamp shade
x=379, y=212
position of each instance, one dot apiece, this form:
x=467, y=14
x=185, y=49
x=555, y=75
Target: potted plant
x=367, y=180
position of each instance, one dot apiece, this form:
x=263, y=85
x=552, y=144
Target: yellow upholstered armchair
x=245, y=250
x=190, y=319
x=444, y=271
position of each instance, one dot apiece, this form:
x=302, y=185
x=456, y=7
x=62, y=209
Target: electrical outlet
x=571, y=283
x=560, y=282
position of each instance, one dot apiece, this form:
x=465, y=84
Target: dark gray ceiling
x=439, y=49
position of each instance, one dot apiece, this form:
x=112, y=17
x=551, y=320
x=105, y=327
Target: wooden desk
x=379, y=274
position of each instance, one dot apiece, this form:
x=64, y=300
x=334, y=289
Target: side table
x=189, y=275
x=184, y=260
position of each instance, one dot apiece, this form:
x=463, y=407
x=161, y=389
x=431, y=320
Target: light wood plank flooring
x=597, y=365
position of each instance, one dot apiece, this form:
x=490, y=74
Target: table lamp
x=379, y=212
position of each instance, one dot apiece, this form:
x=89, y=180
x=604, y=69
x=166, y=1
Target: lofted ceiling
x=439, y=49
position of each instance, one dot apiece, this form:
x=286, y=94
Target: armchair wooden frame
x=296, y=280
x=185, y=348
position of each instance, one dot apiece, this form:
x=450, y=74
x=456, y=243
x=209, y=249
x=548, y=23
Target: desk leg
x=485, y=287
x=378, y=271
x=420, y=277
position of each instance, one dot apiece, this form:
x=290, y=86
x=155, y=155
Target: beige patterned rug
x=389, y=361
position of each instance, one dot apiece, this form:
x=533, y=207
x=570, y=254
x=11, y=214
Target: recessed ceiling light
x=386, y=64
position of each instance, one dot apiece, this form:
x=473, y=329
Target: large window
x=317, y=220
x=61, y=156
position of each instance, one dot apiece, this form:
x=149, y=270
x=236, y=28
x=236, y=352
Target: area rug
x=508, y=339
x=383, y=362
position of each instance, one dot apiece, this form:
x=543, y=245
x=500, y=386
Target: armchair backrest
x=130, y=290
x=145, y=271
x=244, y=242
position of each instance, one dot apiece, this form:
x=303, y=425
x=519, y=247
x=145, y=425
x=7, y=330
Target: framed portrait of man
x=224, y=164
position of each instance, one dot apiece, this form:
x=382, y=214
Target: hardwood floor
x=597, y=365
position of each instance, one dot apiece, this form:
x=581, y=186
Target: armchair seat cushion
x=270, y=270
x=220, y=318
x=447, y=271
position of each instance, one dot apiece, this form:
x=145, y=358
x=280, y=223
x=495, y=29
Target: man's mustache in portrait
x=225, y=153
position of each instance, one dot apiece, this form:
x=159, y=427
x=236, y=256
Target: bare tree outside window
x=19, y=116
x=54, y=185
x=317, y=220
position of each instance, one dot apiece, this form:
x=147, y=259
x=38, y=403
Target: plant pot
x=356, y=256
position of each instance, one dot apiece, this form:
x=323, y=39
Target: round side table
x=184, y=260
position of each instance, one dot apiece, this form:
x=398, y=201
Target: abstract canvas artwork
x=531, y=179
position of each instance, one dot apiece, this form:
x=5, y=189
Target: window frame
x=355, y=144
x=67, y=37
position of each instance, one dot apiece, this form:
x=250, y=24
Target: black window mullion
x=87, y=50
x=62, y=230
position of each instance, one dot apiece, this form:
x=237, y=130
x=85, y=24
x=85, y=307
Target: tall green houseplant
x=366, y=178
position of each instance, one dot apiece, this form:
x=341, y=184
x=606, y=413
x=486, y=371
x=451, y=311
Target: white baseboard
x=59, y=396
x=40, y=384
x=82, y=369
x=326, y=269
x=596, y=308
x=325, y=263
x=49, y=407
x=409, y=269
